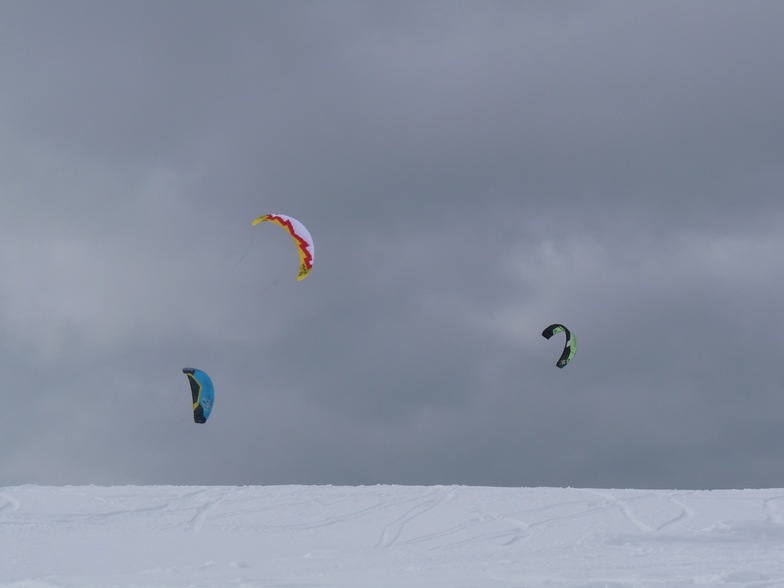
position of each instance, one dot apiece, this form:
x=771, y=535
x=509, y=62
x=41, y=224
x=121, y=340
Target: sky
x=470, y=173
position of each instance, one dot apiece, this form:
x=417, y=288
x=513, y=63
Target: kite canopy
x=569, y=348
x=203, y=394
x=301, y=237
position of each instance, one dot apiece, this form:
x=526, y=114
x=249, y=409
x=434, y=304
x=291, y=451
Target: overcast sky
x=471, y=172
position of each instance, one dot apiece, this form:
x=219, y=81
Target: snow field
x=388, y=536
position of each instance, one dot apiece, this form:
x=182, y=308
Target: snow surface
x=401, y=536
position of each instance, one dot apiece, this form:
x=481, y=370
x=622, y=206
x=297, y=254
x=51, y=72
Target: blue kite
x=203, y=393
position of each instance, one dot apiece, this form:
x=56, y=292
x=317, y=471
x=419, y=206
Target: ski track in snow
x=8, y=504
x=392, y=531
x=774, y=507
x=207, y=503
x=521, y=530
x=686, y=513
x=626, y=507
x=623, y=505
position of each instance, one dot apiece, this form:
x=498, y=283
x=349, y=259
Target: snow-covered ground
x=401, y=536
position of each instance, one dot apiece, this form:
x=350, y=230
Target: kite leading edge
x=203, y=393
x=301, y=237
x=570, y=348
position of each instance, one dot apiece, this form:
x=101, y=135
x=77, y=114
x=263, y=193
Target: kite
x=203, y=394
x=301, y=237
x=569, y=348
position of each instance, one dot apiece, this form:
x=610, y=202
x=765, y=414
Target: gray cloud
x=470, y=174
